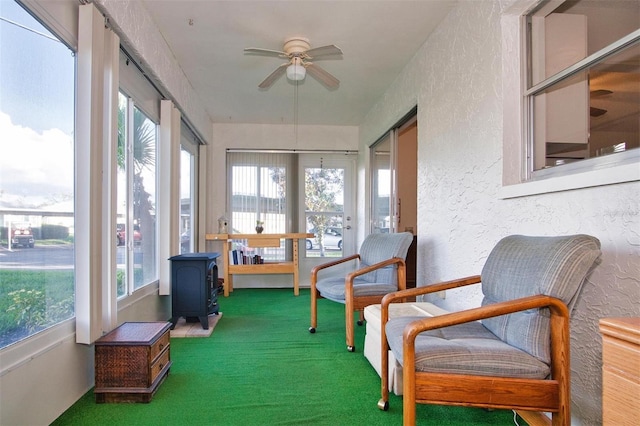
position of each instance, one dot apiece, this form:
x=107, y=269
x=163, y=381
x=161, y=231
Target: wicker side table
x=131, y=362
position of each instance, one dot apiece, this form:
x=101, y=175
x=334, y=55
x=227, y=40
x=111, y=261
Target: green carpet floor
x=261, y=366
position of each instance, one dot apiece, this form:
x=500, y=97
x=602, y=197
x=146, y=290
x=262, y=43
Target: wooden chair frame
x=353, y=303
x=532, y=397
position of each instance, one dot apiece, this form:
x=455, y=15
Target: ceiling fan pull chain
x=295, y=112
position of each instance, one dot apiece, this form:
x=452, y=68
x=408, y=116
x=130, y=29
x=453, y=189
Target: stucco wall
x=458, y=82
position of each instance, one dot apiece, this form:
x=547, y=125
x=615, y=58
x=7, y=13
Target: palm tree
x=144, y=141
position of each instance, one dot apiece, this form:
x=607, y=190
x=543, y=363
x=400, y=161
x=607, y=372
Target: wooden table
x=260, y=241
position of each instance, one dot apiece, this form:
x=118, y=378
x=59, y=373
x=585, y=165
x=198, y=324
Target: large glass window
x=259, y=189
x=583, y=84
x=187, y=210
x=37, y=84
x=136, y=230
x=258, y=192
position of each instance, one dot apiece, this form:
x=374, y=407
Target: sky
x=37, y=77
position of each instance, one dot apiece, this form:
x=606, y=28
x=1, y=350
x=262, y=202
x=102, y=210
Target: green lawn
x=31, y=300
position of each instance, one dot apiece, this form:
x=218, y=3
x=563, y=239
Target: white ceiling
x=378, y=38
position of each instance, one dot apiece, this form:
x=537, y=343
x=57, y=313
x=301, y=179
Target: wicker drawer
x=159, y=364
x=131, y=362
x=159, y=346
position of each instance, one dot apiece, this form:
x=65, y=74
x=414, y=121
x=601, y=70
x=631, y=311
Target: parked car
x=22, y=235
x=121, y=234
x=332, y=238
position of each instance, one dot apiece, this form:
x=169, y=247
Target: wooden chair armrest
x=413, y=292
x=431, y=288
x=318, y=268
x=365, y=270
x=559, y=331
x=556, y=306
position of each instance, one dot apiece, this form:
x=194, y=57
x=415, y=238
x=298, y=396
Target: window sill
x=600, y=177
x=17, y=354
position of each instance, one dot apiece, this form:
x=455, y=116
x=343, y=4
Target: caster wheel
x=360, y=323
x=383, y=405
x=312, y=330
x=351, y=348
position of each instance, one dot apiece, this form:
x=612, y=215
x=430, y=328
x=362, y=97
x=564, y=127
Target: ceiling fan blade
x=597, y=112
x=323, y=51
x=265, y=52
x=267, y=82
x=601, y=92
x=322, y=76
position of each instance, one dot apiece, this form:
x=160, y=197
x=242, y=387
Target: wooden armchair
x=510, y=353
x=381, y=270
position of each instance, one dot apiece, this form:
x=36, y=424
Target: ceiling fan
x=299, y=52
x=597, y=112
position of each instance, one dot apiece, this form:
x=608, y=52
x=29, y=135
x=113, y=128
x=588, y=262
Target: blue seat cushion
x=467, y=348
x=332, y=288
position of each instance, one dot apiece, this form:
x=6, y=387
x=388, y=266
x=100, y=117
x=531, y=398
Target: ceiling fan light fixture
x=296, y=71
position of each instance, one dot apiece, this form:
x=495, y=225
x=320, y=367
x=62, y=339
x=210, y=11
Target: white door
x=326, y=207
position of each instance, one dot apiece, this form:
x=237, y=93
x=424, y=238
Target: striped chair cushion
x=521, y=266
x=465, y=349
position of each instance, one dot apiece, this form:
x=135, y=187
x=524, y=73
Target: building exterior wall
x=457, y=79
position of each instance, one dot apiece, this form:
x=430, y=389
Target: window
x=583, y=86
x=188, y=189
x=258, y=190
x=186, y=201
x=37, y=270
x=327, y=203
x=381, y=184
x=136, y=229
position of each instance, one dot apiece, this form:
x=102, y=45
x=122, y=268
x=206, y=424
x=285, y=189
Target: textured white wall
x=457, y=79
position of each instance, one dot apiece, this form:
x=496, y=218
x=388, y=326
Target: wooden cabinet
x=620, y=371
x=258, y=241
x=131, y=362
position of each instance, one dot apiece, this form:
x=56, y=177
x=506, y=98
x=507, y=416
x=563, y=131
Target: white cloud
x=34, y=167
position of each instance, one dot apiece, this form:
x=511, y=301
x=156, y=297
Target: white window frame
x=130, y=285
x=518, y=180
x=190, y=143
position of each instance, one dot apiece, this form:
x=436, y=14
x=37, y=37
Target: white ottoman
x=372, y=344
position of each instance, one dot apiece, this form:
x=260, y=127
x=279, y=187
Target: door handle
x=346, y=227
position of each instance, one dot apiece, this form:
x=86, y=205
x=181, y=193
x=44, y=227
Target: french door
x=326, y=198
